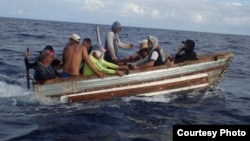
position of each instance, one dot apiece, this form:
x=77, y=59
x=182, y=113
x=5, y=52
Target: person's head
x=189, y=45
x=74, y=39
x=97, y=54
x=86, y=42
x=152, y=42
x=47, y=57
x=144, y=50
x=49, y=47
x=116, y=27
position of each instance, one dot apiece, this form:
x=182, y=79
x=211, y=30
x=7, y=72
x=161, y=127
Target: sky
x=216, y=16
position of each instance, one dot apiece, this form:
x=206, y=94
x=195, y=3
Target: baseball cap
x=75, y=37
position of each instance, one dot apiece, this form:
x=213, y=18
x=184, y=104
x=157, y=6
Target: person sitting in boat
x=186, y=52
x=112, y=42
x=154, y=58
x=73, y=54
x=56, y=62
x=87, y=43
x=142, y=53
x=96, y=57
x=44, y=71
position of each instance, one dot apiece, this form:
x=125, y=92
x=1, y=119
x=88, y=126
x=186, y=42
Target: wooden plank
x=187, y=81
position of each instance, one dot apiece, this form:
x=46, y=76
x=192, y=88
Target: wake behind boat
x=188, y=76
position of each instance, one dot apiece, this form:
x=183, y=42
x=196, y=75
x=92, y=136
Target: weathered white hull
x=188, y=76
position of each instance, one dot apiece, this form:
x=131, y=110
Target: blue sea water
x=25, y=116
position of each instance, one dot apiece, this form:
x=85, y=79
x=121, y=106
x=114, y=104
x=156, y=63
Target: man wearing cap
x=112, y=42
x=44, y=70
x=142, y=53
x=186, y=52
x=73, y=55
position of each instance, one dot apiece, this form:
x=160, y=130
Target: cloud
x=132, y=9
x=93, y=5
x=141, y=11
x=198, y=18
x=18, y=12
x=155, y=13
x=234, y=4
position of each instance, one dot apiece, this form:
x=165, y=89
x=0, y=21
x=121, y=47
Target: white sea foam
x=157, y=98
x=21, y=94
x=10, y=90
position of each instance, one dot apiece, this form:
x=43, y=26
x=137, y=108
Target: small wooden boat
x=190, y=76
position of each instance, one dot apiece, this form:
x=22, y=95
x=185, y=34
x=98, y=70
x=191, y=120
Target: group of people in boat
x=79, y=58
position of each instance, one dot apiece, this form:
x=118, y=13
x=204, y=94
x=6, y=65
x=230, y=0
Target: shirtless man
x=73, y=55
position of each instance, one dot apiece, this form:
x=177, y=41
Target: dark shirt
x=43, y=73
x=186, y=56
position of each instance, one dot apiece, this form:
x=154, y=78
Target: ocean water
x=25, y=116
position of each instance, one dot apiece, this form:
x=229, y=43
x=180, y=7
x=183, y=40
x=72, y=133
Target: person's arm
x=153, y=57
x=145, y=66
x=140, y=61
x=63, y=58
x=109, y=65
x=178, y=58
x=27, y=63
x=132, y=58
x=90, y=64
x=103, y=69
x=124, y=45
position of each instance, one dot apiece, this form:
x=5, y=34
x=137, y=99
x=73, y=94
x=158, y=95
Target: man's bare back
x=74, y=54
x=72, y=59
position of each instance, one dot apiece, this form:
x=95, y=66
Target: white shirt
x=154, y=55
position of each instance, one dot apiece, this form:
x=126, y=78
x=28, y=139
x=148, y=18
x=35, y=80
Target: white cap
x=75, y=37
x=97, y=52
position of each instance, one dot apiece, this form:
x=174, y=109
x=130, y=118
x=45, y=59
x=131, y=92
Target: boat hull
x=189, y=76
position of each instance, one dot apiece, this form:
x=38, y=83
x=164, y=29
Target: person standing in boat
x=44, y=71
x=186, y=52
x=154, y=58
x=112, y=43
x=73, y=55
